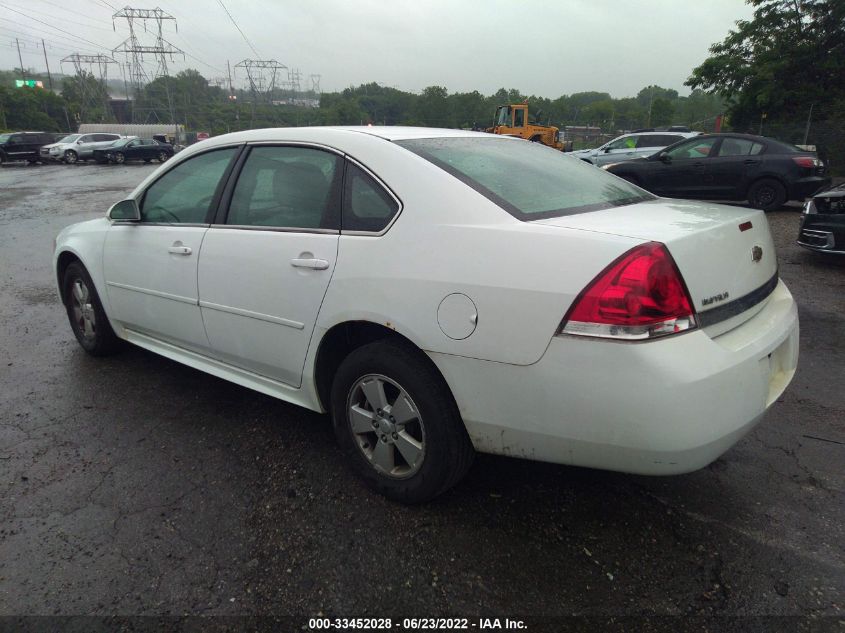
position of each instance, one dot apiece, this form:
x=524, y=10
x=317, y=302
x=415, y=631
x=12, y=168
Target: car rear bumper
x=805, y=187
x=657, y=408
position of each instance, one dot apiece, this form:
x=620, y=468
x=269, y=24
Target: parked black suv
x=23, y=146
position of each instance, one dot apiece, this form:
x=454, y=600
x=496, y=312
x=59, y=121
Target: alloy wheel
x=386, y=426
x=84, y=316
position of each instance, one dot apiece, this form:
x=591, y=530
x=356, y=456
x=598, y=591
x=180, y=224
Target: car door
x=150, y=266
x=736, y=162
x=683, y=171
x=85, y=145
x=265, y=268
x=99, y=141
x=16, y=147
x=622, y=148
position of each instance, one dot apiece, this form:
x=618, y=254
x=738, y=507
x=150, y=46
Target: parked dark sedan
x=126, y=149
x=761, y=170
x=823, y=222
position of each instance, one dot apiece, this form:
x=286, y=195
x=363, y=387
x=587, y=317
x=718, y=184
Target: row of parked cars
x=102, y=147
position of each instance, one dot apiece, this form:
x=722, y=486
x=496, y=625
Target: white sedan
x=441, y=292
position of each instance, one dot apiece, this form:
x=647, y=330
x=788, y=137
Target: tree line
x=779, y=72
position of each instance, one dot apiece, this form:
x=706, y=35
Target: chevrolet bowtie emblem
x=756, y=254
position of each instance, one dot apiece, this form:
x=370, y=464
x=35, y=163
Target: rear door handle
x=179, y=249
x=310, y=262
x=752, y=162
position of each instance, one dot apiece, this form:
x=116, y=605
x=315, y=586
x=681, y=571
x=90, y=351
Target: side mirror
x=79, y=142
x=125, y=211
x=664, y=158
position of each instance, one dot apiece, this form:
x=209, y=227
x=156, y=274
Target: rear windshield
x=528, y=180
x=4, y=137
x=779, y=147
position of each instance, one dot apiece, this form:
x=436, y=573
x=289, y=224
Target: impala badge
x=756, y=254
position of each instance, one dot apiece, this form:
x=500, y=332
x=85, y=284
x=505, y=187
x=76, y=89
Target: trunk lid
x=725, y=254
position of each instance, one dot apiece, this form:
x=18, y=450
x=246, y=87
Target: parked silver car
x=76, y=147
x=630, y=146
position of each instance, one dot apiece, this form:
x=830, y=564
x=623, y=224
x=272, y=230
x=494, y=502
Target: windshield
x=528, y=180
x=70, y=138
x=120, y=142
x=503, y=116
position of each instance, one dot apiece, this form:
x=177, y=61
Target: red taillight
x=806, y=161
x=641, y=295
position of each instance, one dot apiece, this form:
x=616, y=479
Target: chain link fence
x=828, y=136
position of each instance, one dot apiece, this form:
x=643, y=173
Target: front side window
x=366, y=205
x=694, y=148
x=287, y=187
x=528, y=180
x=184, y=194
x=624, y=142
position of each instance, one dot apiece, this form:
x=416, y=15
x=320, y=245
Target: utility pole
x=807, y=129
x=20, y=59
x=47, y=64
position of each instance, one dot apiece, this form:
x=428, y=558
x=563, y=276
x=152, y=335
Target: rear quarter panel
x=521, y=276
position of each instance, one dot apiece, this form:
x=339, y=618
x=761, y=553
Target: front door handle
x=179, y=249
x=309, y=262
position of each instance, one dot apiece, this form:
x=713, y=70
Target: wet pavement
x=135, y=485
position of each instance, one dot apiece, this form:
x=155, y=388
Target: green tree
x=87, y=98
x=789, y=55
x=662, y=112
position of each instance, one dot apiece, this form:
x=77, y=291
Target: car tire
x=71, y=157
x=119, y=158
x=163, y=156
x=85, y=312
x=767, y=194
x=418, y=454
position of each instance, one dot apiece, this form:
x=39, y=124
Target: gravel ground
x=133, y=485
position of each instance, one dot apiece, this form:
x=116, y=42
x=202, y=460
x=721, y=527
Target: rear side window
x=528, y=180
x=739, y=147
x=694, y=148
x=366, y=205
x=658, y=140
x=287, y=187
x=184, y=194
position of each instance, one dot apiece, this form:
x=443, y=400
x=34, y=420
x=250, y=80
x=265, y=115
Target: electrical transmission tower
x=294, y=77
x=261, y=75
x=315, y=84
x=80, y=63
x=134, y=50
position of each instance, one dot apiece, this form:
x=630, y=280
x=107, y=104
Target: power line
x=237, y=27
x=49, y=15
x=38, y=33
x=52, y=27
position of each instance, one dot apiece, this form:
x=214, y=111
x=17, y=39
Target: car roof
x=660, y=133
x=387, y=132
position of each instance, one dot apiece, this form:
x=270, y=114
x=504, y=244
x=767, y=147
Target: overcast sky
x=547, y=48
